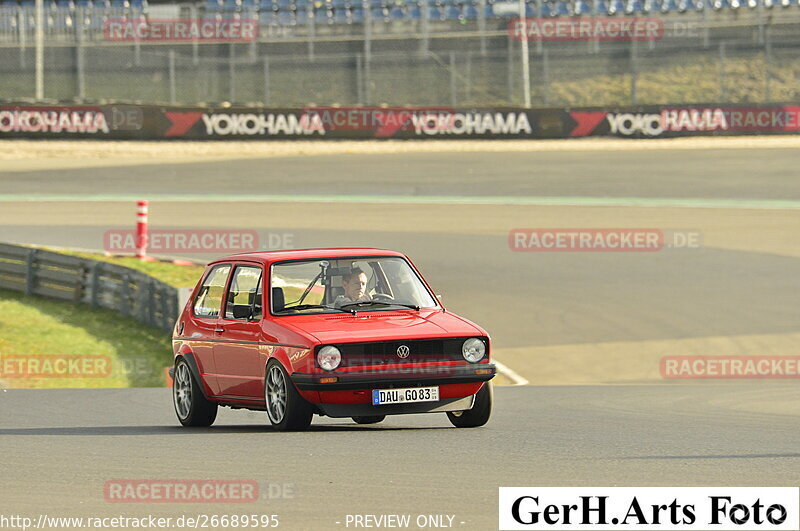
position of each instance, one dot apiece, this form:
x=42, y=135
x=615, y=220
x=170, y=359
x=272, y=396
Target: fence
x=98, y=284
x=742, y=56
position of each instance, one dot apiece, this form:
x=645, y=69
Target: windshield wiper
x=382, y=303
x=312, y=306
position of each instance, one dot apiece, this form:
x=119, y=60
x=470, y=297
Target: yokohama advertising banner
x=320, y=123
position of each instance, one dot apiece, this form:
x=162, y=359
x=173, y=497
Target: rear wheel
x=191, y=406
x=287, y=410
x=370, y=419
x=480, y=412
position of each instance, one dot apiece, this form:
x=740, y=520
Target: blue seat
x=138, y=4
x=357, y=15
x=616, y=7
x=470, y=12
x=414, y=12
x=633, y=7
x=341, y=16
x=562, y=9
x=322, y=16
x=582, y=7
x=547, y=10
x=452, y=12
x=434, y=13
x=377, y=13
x=600, y=7
x=397, y=13
x=669, y=6
x=650, y=6
x=286, y=18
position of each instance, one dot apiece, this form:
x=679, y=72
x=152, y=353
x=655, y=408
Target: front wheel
x=287, y=410
x=192, y=408
x=480, y=412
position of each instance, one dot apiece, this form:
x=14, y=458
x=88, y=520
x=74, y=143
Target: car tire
x=370, y=419
x=480, y=412
x=191, y=405
x=286, y=409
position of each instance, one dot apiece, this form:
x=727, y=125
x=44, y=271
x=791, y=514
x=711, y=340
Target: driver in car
x=354, y=283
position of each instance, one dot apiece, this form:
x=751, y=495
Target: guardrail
x=98, y=284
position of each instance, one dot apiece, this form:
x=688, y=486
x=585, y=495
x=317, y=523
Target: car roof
x=268, y=257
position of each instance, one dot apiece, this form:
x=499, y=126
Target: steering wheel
x=382, y=297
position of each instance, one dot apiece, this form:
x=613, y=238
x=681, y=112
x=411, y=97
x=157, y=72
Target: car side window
x=244, y=294
x=209, y=299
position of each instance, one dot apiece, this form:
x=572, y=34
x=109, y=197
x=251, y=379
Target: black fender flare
x=192, y=363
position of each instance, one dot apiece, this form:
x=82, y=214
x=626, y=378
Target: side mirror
x=242, y=312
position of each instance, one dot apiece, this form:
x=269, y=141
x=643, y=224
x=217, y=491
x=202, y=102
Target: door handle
x=219, y=330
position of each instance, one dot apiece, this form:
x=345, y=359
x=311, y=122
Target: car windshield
x=329, y=285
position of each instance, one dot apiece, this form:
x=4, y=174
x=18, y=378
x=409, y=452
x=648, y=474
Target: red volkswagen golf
x=338, y=332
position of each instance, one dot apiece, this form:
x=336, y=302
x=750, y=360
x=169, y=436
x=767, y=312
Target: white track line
x=510, y=373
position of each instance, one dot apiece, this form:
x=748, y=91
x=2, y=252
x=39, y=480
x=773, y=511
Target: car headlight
x=329, y=358
x=473, y=349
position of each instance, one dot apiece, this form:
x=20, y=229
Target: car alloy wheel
x=276, y=395
x=182, y=391
x=286, y=408
x=191, y=405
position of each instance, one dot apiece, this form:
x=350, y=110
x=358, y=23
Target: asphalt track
x=59, y=447
x=557, y=318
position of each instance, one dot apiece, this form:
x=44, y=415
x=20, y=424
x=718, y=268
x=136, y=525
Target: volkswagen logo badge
x=403, y=351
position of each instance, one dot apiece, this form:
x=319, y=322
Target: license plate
x=405, y=395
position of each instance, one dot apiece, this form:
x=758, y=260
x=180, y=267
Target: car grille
x=385, y=352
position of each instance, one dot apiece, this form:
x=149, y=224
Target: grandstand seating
x=63, y=14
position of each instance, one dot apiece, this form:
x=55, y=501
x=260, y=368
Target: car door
x=236, y=354
x=206, y=308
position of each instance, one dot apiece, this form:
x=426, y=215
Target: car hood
x=381, y=326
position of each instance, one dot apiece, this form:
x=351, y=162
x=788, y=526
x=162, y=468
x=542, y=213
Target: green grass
x=136, y=354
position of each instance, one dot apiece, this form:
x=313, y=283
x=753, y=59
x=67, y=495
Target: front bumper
x=411, y=377
x=366, y=410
